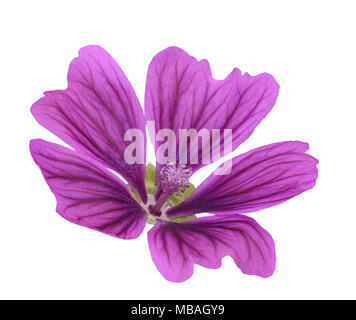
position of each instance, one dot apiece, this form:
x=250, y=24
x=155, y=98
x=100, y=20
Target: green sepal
x=133, y=194
x=174, y=200
x=183, y=219
x=151, y=221
x=150, y=178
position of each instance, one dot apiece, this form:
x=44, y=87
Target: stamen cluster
x=174, y=178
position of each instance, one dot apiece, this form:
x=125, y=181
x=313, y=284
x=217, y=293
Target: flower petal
x=181, y=94
x=94, y=112
x=259, y=179
x=87, y=193
x=176, y=247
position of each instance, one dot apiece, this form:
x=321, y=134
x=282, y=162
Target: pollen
x=174, y=178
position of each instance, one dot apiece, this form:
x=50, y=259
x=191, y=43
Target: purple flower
x=92, y=116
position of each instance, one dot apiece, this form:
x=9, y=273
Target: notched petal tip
x=182, y=94
x=175, y=248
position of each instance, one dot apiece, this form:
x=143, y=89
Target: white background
x=309, y=46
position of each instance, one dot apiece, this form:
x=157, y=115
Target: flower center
x=172, y=178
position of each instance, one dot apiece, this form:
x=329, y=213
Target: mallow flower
x=97, y=185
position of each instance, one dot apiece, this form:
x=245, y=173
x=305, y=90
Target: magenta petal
x=176, y=247
x=87, y=193
x=259, y=179
x=181, y=94
x=94, y=112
